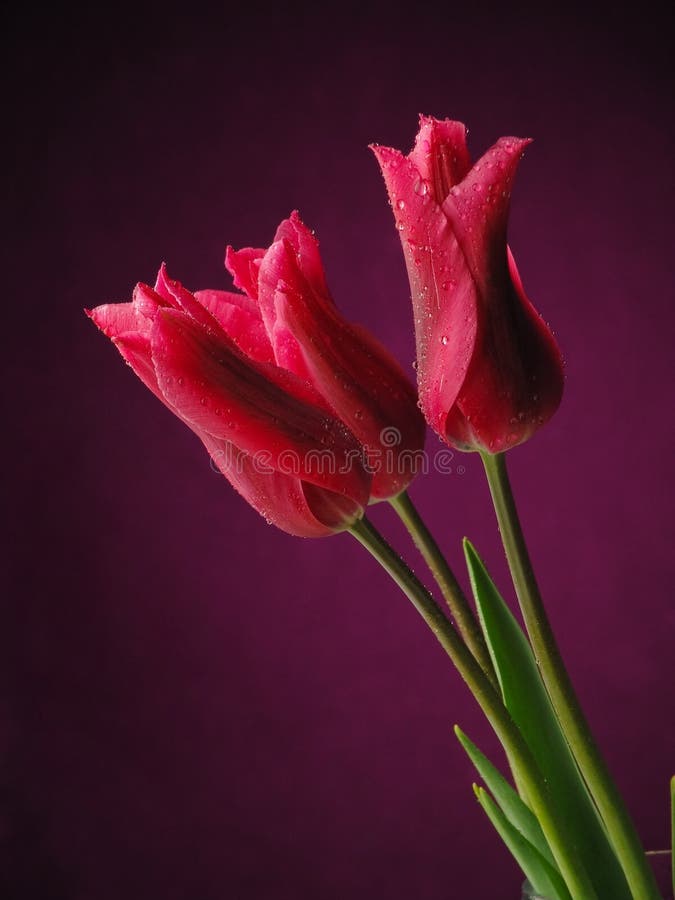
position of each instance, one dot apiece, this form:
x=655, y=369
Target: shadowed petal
x=286, y=501
x=240, y=319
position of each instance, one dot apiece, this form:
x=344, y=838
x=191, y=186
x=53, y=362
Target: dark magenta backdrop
x=201, y=706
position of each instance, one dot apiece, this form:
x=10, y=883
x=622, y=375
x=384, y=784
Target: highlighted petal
x=114, y=318
x=443, y=291
x=243, y=265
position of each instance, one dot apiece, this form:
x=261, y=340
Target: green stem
x=445, y=578
x=490, y=702
x=620, y=828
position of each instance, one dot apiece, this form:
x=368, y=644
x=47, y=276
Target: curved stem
x=555, y=831
x=452, y=592
x=620, y=828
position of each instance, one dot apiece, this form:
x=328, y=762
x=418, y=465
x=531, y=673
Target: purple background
x=201, y=706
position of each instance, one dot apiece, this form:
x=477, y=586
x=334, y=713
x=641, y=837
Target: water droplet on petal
x=401, y=204
x=444, y=340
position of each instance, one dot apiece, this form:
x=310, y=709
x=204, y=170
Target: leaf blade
x=546, y=880
x=527, y=700
x=518, y=813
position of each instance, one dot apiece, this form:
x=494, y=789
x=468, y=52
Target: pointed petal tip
x=380, y=149
x=514, y=144
x=387, y=157
x=162, y=281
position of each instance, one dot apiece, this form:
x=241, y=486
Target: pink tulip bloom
x=489, y=370
x=208, y=357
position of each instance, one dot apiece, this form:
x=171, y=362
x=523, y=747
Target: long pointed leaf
x=519, y=815
x=542, y=876
x=528, y=702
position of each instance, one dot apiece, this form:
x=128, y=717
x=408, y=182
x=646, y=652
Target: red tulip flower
x=361, y=382
x=208, y=358
x=489, y=370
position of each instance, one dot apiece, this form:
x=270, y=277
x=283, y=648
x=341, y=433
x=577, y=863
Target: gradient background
x=200, y=706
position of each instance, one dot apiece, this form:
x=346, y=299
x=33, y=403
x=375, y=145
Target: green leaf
x=527, y=701
x=542, y=876
x=519, y=815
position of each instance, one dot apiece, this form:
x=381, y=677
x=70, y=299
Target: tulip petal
x=240, y=319
x=243, y=265
x=180, y=298
x=478, y=210
x=443, y=291
x=279, y=267
x=502, y=404
x=114, y=318
x=440, y=155
x=283, y=500
x=135, y=350
x=260, y=408
x=119, y=321
x=146, y=302
x=366, y=388
x=306, y=248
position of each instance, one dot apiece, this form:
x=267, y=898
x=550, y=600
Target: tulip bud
x=489, y=370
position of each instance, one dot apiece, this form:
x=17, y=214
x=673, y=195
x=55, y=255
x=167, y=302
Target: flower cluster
x=276, y=368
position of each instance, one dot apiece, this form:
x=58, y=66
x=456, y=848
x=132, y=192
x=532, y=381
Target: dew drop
x=401, y=204
x=203, y=401
x=444, y=340
x=181, y=380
